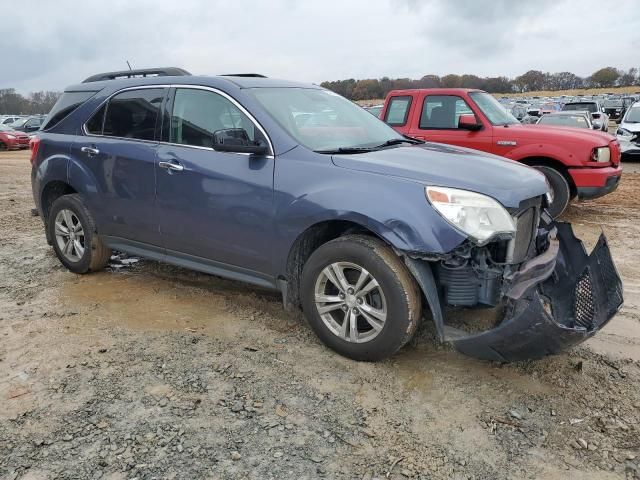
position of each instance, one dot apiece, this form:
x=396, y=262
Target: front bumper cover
x=580, y=296
x=610, y=185
x=554, y=301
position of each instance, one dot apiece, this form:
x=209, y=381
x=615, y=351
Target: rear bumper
x=595, y=182
x=580, y=296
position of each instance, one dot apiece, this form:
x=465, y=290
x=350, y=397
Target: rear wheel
x=560, y=189
x=75, y=240
x=359, y=298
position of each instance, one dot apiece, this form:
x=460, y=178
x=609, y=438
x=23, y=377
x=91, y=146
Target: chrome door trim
x=194, y=87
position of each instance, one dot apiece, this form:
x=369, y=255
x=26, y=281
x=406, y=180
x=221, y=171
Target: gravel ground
x=150, y=371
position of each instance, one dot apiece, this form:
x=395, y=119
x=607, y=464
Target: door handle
x=174, y=166
x=90, y=150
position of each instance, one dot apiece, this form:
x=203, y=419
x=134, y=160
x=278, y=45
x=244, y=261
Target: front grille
x=525, y=234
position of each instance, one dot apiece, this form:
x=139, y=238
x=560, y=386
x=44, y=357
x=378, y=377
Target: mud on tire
x=96, y=255
x=401, y=297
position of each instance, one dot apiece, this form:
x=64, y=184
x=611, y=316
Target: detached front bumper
x=554, y=301
x=580, y=296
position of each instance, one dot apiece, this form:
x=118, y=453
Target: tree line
x=13, y=103
x=531, y=81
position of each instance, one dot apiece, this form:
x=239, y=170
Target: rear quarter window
x=66, y=104
x=397, y=111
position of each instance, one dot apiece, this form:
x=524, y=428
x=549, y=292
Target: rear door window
x=133, y=114
x=397, y=111
x=65, y=105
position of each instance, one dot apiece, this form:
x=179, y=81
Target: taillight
x=34, y=145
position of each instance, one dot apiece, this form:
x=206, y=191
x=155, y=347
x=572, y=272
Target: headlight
x=12, y=137
x=623, y=132
x=601, y=154
x=479, y=216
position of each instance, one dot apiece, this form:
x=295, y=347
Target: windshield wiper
x=398, y=141
x=347, y=150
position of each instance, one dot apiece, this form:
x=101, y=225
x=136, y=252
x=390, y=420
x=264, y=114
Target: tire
x=396, y=294
x=3, y=147
x=560, y=189
x=94, y=255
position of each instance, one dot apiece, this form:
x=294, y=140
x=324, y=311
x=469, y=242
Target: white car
x=628, y=133
x=573, y=119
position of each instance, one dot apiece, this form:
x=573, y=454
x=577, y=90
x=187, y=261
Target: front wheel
x=560, y=189
x=359, y=298
x=75, y=240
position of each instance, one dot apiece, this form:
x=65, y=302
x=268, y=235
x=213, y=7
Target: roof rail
x=144, y=72
x=255, y=75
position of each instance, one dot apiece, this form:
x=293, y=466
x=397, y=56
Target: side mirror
x=469, y=122
x=236, y=140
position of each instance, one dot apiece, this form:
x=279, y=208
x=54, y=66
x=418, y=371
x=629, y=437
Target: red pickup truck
x=577, y=163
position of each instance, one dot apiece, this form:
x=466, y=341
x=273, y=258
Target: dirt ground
x=150, y=371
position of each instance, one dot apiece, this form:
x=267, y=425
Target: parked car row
x=363, y=224
x=602, y=107
x=23, y=123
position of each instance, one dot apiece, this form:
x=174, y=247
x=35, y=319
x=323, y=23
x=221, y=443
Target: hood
x=507, y=181
x=632, y=127
x=548, y=134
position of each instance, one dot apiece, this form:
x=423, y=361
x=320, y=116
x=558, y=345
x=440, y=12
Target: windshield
x=633, y=116
x=322, y=120
x=613, y=103
x=588, y=106
x=578, y=121
x=493, y=109
x=19, y=123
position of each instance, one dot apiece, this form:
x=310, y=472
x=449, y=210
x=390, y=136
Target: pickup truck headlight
x=12, y=137
x=601, y=154
x=478, y=216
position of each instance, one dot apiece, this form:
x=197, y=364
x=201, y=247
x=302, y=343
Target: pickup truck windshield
x=493, y=109
x=324, y=121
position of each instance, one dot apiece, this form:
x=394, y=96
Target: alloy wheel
x=69, y=235
x=350, y=302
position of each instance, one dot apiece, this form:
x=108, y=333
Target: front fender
x=394, y=209
x=559, y=153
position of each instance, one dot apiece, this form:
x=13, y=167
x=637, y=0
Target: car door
x=438, y=122
x=119, y=148
x=214, y=207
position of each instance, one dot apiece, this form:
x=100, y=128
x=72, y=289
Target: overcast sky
x=50, y=44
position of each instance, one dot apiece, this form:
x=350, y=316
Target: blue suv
x=291, y=187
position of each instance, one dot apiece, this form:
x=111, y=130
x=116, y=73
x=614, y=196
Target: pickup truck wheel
x=75, y=240
x=359, y=298
x=559, y=188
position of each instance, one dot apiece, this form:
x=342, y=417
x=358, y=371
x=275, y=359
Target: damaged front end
x=556, y=297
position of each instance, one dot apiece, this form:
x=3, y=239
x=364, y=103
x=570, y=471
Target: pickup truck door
x=435, y=118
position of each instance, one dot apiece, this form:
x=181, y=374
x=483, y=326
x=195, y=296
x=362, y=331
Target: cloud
x=313, y=40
